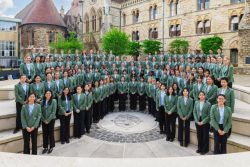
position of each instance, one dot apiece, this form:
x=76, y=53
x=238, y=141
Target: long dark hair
x=44, y=98
x=173, y=94
x=63, y=95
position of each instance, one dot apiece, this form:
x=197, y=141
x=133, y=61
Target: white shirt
x=222, y=112
x=185, y=100
x=31, y=107
x=162, y=98
x=201, y=107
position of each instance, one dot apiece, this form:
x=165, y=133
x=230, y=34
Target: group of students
x=187, y=87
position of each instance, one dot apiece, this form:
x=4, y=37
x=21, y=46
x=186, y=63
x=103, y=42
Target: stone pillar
x=244, y=40
x=107, y=16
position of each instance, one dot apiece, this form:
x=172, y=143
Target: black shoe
x=167, y=139
x=198, y=151
x=181, y=144
x=185, y=145
x=50, y=150
x=203, y=153
x=161, y=132
x=62, y=142
x=171, y=140
x=88, y=131
x=15, y=131
x=44, y=150
x=67, y=141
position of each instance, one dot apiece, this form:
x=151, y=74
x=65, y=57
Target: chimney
x=62, y=11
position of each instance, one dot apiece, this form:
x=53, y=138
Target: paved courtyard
x=123, y=135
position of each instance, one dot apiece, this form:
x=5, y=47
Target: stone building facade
x=41, y=22
x=166, y=20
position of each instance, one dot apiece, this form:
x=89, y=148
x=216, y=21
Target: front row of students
x=169, y=107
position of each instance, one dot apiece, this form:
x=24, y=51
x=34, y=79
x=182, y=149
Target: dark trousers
x=102, y=114
x=18, y=115
x=96, y=112
x=65, y=128
x=220, y=142
x=203, y=137
x=48, y=134
x=78, y=121
x=184, y=131
x=142, y=102
x=104, y=105
x=26, y=138
x=86, y=120
x=150, y=101
x=161, y=118
x=170, y=125
x=112, y=104
x=153, y=105
x=133, y=101
x=122, y=101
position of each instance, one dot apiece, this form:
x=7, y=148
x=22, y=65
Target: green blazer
x=122, y=87
x=79, y=105
x=157, y=98
x=205, y=112
x=24, y=70
x=62, y=106
x=171, y=104
x=215, y=118
x=38, y=90
x=34, y=119
x=59, y=87
x=97, y=95
x=184, y=110
x=52, y=87
x=88, y=100
x=133, y=87
x=211, y=94
x=141, y=88
x=50, y=113
x=20, y=93
x=230, y=98
x=195, y=92
x=227, y=71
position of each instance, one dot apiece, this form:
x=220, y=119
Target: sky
x=9, y=8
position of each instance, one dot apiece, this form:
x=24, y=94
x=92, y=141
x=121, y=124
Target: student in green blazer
x=65, y=105
x=39, y=67
x=21, y=94
x=160, y=103
x=30, y=117
x=59, y=85
x=112, y=89
x=49, y=84
x=49, y=107
x=79, y=103
x=227, y=71
x=102, y=105
x=122, y=93
x=141, y=86
x=211, y=90
x=170, y=114
x=96, y=102
x=184, y=109
x=37, y=88
x=27, y=68
x=221, y=121
x=133, y=94
x=87, y=116
x=201, y=114
x=198, y=87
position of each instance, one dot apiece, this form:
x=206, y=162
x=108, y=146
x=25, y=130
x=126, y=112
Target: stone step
x=242, y=93
x=7, y=89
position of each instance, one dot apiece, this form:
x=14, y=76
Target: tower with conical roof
x=40, y=23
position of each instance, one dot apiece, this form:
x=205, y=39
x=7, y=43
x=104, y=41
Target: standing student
x=30, y=117
x=65, y=104
x=96, y=103
x=211, y=90
x=49, y=107
x=171, y=114
x=122, y=94
x=141, y=93
x=184, y=108
x=87, y=109
x=160, y=103
x=21, y=94
x=78, y=108
x=37, y=88
x=27, y=68
x=201, y=114
x=133, y=94
x=227, y=71
x=198, y=87
x=221, y=121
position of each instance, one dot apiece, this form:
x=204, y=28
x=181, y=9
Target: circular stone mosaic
x=126, y=127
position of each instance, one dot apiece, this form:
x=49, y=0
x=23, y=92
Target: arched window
x=52, y=36
x=133, y=17
x=199, y=29
x=137, y=16
x=100, y=22
x=86, y=20
x=133, y=36
x=150, y=33
x=155, y=12
x=172, y=9
x=172, y=31
x=94, y=23
x=178, y=30
x=155, y=33
x=207, y=26
x=137, y=36
x=234, y=25
x=150, y=13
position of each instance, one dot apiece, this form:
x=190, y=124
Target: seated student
x=78, y=108
x=65, y=105
x=160, y=103
x=132, y=93
x=141, y=92
x=49, y=107
x=201, y=116
x=30, y=117
x=184, y=108
x=122, y=94
x=21, y=94
x=170, y=114
x=221, y=121
x=87, y=109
